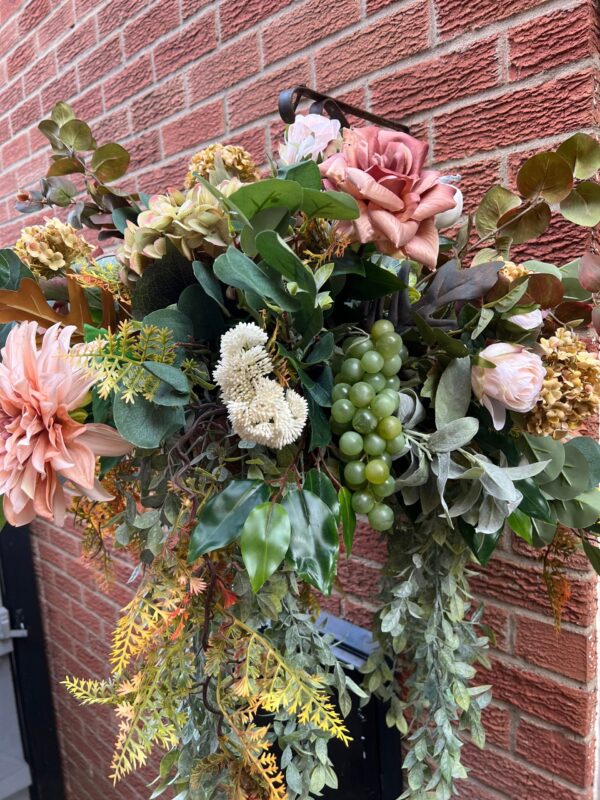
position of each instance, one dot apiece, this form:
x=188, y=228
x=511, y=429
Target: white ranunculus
x=308, y=137
x=514, y=383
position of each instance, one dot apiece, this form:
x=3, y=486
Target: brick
x=237, y=17
x=561, y=243
x=377, y=5
x=522, y=585
x=516, y=116
x=89, y=104
x=550, y=700
x=567, y=653
x=23, y=55
x=497, y=723
x=305, y=24
x=359, y=579
x=11, y=95
x=550, y=41
x=81, y=40
x=253, y=140
x=116, y=13
x=62, y=88
x=136, y=76
x=475, y=179
x=358, y=614
x=201, y=125
x=33, y=13
x=473, y=790
x=550, y=749
x=158, y=20
x=144, y=149
x=260, y=97
x=161, y=102
x=229, y=65
x=174, y=53
x=502, y=773
x=379, y=45
x=43, y=70
x=498, y=619
x=55, y=25
x=100, y=61
x=438, y=80
x=455, y=17
x=369, y=544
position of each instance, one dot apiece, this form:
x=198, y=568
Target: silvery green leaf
x=466, y=500
x=292, y=776
x=454, y=435
x=453, y=393
x=491, y=516
x=525, y=470
x=429, y=496
x=441, y=467
x=410, y=410
x=416, y=474
x=410, y=494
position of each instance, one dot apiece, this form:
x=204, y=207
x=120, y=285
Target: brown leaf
x=28, y=303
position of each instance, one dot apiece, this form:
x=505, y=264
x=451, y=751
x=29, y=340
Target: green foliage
x=264, y=542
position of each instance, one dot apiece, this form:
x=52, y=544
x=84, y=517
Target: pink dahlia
x=46, y=455
x=397, y=198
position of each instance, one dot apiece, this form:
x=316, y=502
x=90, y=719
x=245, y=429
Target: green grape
x=340, y=391
x=339, y=378
x=389, y=344
x=359, y=346
x=393, y=395
x=372, y=362
x=351, y=443
x=393, y=383
x=339, y=427
x=361, y=394
x=342, y=411
x=364, y=421
x=381, y=327
x=392, y=366
x=385, y=489
x=351, y=370
x=383, y=405
x=403, y=353
x=387, y=458
x=388, y=428
x=374, y=445
x=376, y=471
x=396, y=445
x=362, y=502
x=354, y=473
x=377, y=381
x=381, y=517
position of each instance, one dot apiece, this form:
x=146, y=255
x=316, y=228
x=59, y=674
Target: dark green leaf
x=329, y=205
x=348, y=519
x=314, y=546
x=534, y=504
x=271, y=219
x=179, y=324
x=223, y=517
x=12, y=270
x=322, y=350
x=162, y=282
x=254, y=197
x=145, y=424
x=264, y=541
x=521, y=524
x=208, y=282
x=378, y=282
x=582, y=153
x=204, y=313
x=543, y=533
x=320, y=431
x=121, y=216
x=593, y=554
x=580, y=512
x=109, y=162
x=236, y=269
x=318, y=483
x=481, y=544
x=545, y=175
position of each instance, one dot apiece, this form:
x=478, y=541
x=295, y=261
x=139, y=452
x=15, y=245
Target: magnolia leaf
x=314, y=544
x=545, y=175
x=453, y=393
x=521, y=524
x=77, y=135
x=264, y=541
x=348, y=519
x=318, y=483
x=523, y=226
x=495, y=203
x=454, y=435
x=582, y=154
x=582, y=206
x=223, y=517
x=110, y=161
x=29, y=303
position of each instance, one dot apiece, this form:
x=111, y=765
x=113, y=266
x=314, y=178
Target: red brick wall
x=486, y=82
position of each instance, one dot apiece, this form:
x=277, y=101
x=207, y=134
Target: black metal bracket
x=289, y=100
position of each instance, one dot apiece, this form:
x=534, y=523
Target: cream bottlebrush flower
x=309, y=136
x=259, y=409
x=44, y=453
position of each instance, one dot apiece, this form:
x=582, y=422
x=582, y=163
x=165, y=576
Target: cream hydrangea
x=260, y=409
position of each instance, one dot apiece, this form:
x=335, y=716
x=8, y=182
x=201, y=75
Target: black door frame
x=19, y=591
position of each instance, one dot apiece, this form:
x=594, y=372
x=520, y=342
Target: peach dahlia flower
x=397, y=198
x=46, y=455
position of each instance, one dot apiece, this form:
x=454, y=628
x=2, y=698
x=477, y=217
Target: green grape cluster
x=365, y=398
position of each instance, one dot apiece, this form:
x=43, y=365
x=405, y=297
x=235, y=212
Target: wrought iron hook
x=289, y=100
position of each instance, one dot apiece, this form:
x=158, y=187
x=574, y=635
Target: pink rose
x=514, y=383
x=397, y=198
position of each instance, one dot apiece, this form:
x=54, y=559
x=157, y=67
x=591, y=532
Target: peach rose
x=514, y=383
x=397, y=198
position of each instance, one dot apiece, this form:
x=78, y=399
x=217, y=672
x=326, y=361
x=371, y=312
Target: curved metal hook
x=289, y=100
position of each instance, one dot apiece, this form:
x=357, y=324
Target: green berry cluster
x=365, y=398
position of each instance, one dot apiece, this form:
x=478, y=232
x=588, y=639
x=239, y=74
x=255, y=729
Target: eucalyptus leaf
x=574, y=477
x=544, y=448
x=545, y=175
x=582, y=206
x=582, y=152
x=144, y=423
x=329, y=205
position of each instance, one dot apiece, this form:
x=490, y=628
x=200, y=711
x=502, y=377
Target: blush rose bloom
x=397, y=198
x=528, y=320
x=514, y=383
x=45, y=455
x=309, y=136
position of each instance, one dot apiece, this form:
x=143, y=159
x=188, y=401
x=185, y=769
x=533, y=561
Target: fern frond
x=89, y=692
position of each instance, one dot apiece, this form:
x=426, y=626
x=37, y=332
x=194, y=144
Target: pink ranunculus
x=309, y=136
x=45, y=455
x=397, y=198
x=514, y=383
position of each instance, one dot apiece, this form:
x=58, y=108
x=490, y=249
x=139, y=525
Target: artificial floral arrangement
x=265, y=356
